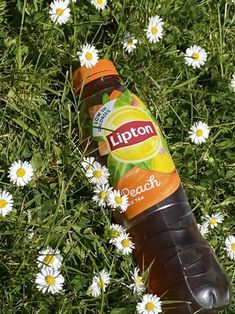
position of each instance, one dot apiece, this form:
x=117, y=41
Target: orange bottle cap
x=84, y=75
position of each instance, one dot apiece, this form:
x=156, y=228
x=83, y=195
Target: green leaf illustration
x=99, y=139
x=105, y=98
x=145, y=165
x=123, y=100
x=118, y=169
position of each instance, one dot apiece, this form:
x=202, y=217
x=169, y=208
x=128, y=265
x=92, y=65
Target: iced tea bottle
x=119, y=130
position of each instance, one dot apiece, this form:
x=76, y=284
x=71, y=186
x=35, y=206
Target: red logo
x=131, y=133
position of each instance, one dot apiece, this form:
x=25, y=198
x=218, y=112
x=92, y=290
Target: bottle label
x=139, y=162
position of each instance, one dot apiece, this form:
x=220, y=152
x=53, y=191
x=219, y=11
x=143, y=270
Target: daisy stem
x=18, y=42
x=22, y=19
x=102, y=303
x=107, y=54
x=222, y=124
x=191, y=99
x=75, y=29
x=233, y=276
x=113, y=261
x=221, y=41
x=105, y=216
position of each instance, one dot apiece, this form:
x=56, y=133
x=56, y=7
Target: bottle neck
x=99, y=84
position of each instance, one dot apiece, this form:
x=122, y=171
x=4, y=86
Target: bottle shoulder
x=101, y=96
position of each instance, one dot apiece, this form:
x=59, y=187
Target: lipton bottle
x=120, y=131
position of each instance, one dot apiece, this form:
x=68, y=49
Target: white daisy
x=99, y=4
x=87, y=162
x=203, y=228
x=154, y=30
x=6, y=203
x=97, y=174
x=233, y=79
x=129, y=43
x=118, y=201
x=115, y=231
x=101, y=194
x=99, y=283
x=213, y=220
x=30, y=234
x=199, y=132
x=59, y=11
x=230, y=246
x=29, y=215
x=88, y=56
x=150, y=304
x=49, y=280
x=195, y=56
x=124, y=244
x=138, y=285
x=49, y=258
x=20, y=173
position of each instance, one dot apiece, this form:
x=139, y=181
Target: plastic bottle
x=119, y=130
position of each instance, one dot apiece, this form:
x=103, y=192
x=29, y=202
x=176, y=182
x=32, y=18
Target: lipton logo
x=131, y=133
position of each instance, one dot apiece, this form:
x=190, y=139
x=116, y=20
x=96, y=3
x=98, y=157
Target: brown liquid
x=184, y=266
x=166, y=237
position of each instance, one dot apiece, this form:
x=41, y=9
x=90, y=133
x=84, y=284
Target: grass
x=39, y=122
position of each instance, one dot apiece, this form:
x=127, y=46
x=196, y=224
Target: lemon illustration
x=134, y=138
x=163, y=163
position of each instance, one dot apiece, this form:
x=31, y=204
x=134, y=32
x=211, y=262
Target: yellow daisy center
x=59, y=11
x=118, y=200
x=115, y=233
x=88, y=56
x=154, y=30
x=130, y=42
x=3, y=203
x=125, y=243
x=101, y=283
x=149, y=306
x=138, y=280
x=97, y=174
x=233, y=247
x=213, y=221
x=199, y=132
x=100, y=2
x=20, y=172
x=103, y=195
x=50, y=280
x=49, y=259
x=195, y=55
